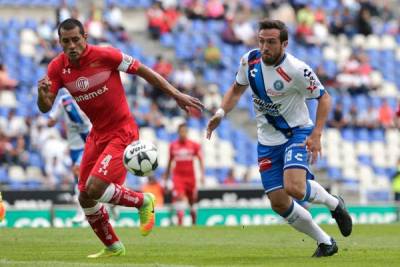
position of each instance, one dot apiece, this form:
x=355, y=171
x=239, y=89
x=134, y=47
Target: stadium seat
x=16, y=173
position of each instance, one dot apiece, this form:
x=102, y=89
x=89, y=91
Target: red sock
x=125, y=197
x=193, y=214
x=180, y=214
x=99, y=221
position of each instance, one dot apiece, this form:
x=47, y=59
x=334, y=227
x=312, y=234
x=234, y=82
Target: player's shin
x=315, y=193
x=98, y=219
x=180, y=207
x=118, y=195
x=301, y=220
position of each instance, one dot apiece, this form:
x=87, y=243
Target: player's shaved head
x=268, y=24
x=70, y=24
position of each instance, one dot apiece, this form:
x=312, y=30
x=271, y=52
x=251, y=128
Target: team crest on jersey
x=82, y=83
x=278, y=85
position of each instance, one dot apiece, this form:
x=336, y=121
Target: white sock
x=108, y=194
x=315, y=193
x=92, y=210
x=300, y=219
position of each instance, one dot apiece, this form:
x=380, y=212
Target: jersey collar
x=85, y=53
x=281, y=60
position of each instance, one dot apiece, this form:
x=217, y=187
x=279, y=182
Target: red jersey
x=96, y=84
x=183, y=154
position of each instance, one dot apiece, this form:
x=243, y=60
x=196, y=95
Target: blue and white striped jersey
x=78, y=124
x=279, y=94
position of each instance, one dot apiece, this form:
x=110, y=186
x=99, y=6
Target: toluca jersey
x=95, y=84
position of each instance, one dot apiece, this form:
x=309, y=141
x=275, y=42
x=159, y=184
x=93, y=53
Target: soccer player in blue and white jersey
x=287, y=139
x=77, y=127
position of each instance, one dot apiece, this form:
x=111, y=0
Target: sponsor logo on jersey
x=271, y=92
x=271, y=109
x=91, y=95
x=283, y=74
x=278, y=85
x=82, y=83
x=313, y=83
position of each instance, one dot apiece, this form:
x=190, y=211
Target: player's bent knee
x=93, y=192
x=279, y=208
x=294, y=191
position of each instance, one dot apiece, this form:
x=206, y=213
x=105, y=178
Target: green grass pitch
x=369, y=245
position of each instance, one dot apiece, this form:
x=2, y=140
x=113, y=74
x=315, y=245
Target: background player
x=77, y=129
x=287, y=139
x=182, y=153
x=91, y=75
x=2, y=209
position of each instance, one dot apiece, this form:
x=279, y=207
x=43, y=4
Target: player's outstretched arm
x=184, y=101
x=313, y=142
x=45, y=97
x=228, y=103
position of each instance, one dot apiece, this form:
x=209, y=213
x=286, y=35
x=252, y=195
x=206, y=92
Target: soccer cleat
x=342, y=217
x=2, y=209
x=324, y=250
x=146, y=214
x=107, y=252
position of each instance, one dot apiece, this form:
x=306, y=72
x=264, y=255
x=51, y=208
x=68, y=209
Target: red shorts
x=184, y=188
x=103, y=154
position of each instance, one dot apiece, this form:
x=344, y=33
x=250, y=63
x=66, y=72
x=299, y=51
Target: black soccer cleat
x=342, y=217
x=324, y=250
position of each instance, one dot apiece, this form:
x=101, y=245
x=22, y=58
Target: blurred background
x=352, y=45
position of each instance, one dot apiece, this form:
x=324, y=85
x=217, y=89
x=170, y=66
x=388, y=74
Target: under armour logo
x=253, y=72
x=68, y=70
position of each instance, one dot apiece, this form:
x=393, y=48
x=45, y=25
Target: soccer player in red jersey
x=182, y=152
x=91, y=74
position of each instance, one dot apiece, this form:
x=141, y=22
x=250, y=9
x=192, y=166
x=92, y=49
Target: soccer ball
x=140, y=158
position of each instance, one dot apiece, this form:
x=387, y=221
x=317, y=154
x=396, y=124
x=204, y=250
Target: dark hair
x=275, y=24
x=70, y=24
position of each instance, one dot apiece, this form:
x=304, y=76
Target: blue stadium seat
x=348, y=134
x=334, y=173
x=35, y=160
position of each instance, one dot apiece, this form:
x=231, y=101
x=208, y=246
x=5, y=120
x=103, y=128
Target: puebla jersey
x=279, y=93
x=95, y=85
x=78, y=125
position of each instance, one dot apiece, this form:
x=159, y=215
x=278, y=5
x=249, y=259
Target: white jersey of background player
x=77, y=128
x=77, y=123
x=280, y=84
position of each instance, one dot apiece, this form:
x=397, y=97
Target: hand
x=44, y=86
x=186, y=102
x=213, y=124
x=313, y=146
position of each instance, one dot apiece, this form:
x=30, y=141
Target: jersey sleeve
x=120, y=61
x=241, y=75
x=53, y=72
x=308, y=83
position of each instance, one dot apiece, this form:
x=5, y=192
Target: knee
x=294, y=190
x=93, y=192
x=279, y=207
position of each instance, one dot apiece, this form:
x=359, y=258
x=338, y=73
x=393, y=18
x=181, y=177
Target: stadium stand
x=354, y=48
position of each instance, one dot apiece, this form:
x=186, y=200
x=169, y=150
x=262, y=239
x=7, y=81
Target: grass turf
x=369, y=245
